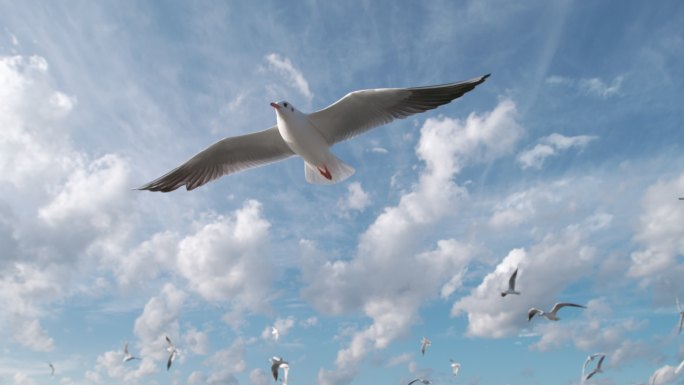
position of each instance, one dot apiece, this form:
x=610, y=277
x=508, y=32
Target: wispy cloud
x=284, y=66
x=590, y=86
x=549, y=146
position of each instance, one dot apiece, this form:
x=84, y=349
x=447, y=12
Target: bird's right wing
x=224, y=157
x=532, y=312
x=511, y=281
x=360, y=111
x=560, y=305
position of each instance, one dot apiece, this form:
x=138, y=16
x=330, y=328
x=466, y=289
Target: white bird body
x=275, y=333
x=128, y=356
x=173, y=352
x=551, y=314
x=455, y=367
x=424, y=343
x=598, y=368
x=310, y=135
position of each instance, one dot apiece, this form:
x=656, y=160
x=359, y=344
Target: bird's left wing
x=360, y=111
x=224, y=157
x=560, y=305
x=511, y=281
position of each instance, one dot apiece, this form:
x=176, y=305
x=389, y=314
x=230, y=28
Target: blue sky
x=567, y=163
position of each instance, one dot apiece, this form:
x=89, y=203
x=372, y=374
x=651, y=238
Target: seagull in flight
x=426, y=382
x=511, y=284
x=681, y=315
x=52, y=369
x=310, y=135
x=128, y=356
x=279, y=363
x=588, y=360
x=424, y=343
x=173, y=352
x=597, y=369
x=275, y=333
x=551, y=315
x=455, y=367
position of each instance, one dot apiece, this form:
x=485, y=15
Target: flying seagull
x=681, y=315
x=597, y=369
x=52, y=369
x=279, y=363
x=511, y=284
x=310, y=135
x=426, y=382
x=128, y=356
x=551, y=315
x=173, y=352
x=455, y=366
x=424, y=343
x=588, y=360
x=275, y=333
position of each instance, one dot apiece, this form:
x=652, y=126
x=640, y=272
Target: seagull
x=597, y=369
x=551, y=315
x=279, y=363
x=511, y=285
x=52, y=369
x=173, y=352
x=455, y=366
x=275, y=333
x=681, y=315
x=588, y=360
x=424, y=343
x=310, y=135
x=426, y=382
x=128, y=356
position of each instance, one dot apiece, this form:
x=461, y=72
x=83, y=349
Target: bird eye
x=285, y=104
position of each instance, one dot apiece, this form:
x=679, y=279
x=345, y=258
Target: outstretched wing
x=224, y=157
x=561, y=305
x=511, y=281
x=532, y=312
x=360, y=111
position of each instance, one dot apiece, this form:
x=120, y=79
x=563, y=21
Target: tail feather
x=336, y=169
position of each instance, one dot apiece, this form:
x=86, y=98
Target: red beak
x=274, y=105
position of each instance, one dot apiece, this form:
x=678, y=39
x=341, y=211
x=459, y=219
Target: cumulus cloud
x=356, y=199
x=381, y=279
x=159, y=319
x=549, y=146
x=282, y=324
x=284, y=66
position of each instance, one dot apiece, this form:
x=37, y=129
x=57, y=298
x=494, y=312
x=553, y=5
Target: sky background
x=566, y=163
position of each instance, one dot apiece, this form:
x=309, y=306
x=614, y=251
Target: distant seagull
x=128, y=356
x=588, y=360
x=426, y=382
x=681, y=315
x=424, y=343
x=173, y=351
x=455, y=366
x=597, y=369
x=279, y=363
x=275, y=333
x=551, y=315
x=511, y=284
x=310, y=135
x=52, y=369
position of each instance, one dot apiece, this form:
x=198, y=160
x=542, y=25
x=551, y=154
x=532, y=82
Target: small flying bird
x=588, y=360
x=310, y=135
x=173, y=351
x=279, y=363
x=681, y=315
x=455, y=367
x=275, y=333
x=424, y=343
x=511, y=284
x=551, y=315
x=426, y=382
x=128, y=356
x=597, y=369
x=52, y=369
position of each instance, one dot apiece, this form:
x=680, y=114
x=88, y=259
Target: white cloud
x=590, y=86
x=258, y=377
x=356, y=199
x=21, y=378
x=159, y=319
x=33, y=336
x=381, y=279
x=196, y=341
x=549, y=146
x=284, y=66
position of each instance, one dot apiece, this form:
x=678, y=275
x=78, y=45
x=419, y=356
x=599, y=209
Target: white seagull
x=310, y=135
x=597, y=369
x=275, y=333
x=279, y=363
x=511, y=284
x=426, y=382
x=424, y=343
x=681, y=315
x=128, y=356
x=52, y=369
x=551, y=315
x=588, y=360
x=173, y=352
x=455, y=366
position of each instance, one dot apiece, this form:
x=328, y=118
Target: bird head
x=283, y=107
